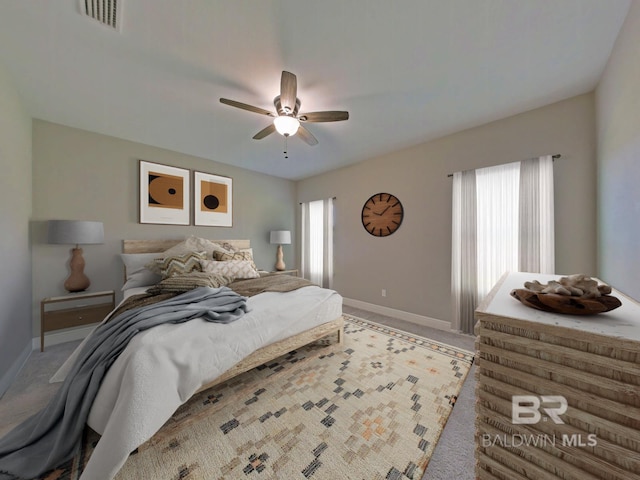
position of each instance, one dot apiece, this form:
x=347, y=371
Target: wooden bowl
x=570, y=305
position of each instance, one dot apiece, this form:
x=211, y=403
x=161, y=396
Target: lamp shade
x=75, y=232
x=280, y=237
x=286, y=125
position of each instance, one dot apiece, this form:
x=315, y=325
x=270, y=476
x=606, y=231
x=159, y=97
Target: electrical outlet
x=384, y=292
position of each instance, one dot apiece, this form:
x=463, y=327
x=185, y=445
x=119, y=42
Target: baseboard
x=401, y=314
x=7, y=379
x=63, y=336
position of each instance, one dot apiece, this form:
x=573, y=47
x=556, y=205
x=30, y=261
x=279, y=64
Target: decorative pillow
x=181, y=264
x=225, y=246
x=235, y=269
x=244, y=254
x=184, y=283
x=137, y=274
x=191, y=244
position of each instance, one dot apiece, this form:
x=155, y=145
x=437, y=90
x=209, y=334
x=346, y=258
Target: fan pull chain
x=285, y=146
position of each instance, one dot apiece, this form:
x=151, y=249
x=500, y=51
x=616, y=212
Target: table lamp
x=76, y=232
x=280, y=237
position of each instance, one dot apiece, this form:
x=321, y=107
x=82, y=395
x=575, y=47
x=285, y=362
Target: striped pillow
x=180, y=264
x=184, y=283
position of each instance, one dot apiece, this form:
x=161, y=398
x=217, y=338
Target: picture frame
x=164, y=194
x=212, y=200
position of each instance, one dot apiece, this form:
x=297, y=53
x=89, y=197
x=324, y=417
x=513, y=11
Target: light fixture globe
x=286, y=125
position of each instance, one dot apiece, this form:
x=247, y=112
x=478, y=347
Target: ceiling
x=407, y=71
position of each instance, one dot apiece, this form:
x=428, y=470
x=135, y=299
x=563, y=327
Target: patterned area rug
x=371, y=408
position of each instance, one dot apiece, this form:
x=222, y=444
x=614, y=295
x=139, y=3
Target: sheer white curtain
x=317, y=242
x=537, y=252
x=502, y=221
x=464, y=266
x=497, y=216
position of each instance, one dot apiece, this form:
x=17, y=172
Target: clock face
x=382, y=214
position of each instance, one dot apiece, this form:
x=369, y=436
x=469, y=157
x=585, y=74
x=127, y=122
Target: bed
x=264, y=354
x=164, y=366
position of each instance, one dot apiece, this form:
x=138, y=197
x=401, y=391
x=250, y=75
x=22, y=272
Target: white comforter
x=163, y=367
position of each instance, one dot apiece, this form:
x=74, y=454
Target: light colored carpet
x=31, y=390
x=452, y=457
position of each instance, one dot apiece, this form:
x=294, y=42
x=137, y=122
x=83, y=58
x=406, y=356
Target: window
x=317, y=242
x=502, y=221
x=497, y=190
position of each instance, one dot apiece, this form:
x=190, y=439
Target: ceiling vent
x=107, y=12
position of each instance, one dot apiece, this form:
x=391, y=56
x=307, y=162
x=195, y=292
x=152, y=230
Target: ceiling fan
x=286, y=120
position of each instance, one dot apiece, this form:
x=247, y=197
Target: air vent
x=107, y=12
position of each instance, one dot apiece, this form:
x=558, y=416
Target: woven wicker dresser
x=558, y=396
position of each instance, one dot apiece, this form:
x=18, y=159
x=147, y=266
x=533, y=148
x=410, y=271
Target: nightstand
x=78, y=309
x=264, y=273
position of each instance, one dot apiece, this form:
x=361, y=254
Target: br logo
x=525, y=409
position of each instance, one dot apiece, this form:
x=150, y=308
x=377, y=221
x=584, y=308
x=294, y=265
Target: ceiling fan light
x=286, y=125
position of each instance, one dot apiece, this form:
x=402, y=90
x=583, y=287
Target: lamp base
x=77, y=281
x=280, y=260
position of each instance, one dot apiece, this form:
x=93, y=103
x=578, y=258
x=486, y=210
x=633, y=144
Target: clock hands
x=382, y=212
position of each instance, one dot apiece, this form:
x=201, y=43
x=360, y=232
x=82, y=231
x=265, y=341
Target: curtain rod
x=300, y=203
x=554, y=157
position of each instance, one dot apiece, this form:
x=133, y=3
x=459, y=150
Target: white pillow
x=236, y=269
x=242, y=254
x=137, y=274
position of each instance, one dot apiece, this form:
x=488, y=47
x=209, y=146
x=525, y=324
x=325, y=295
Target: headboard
x=157, y=246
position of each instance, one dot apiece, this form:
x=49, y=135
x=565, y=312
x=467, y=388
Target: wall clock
x=382, y=214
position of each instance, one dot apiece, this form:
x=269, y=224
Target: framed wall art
x=164, y=194
x=213, y=200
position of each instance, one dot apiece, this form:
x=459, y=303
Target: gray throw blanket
x=52, y=436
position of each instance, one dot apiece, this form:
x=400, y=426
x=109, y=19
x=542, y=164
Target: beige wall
x=618, y=134
x=414, y=264
x=15, y=255
x=81, y=175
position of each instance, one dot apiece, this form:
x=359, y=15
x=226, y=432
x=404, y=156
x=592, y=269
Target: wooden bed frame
x=263, y=354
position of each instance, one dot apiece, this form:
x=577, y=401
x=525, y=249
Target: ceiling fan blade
x=268, y=130
x=288, y=92
x=330, y=116
x=305, y=135
x=244, y=106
